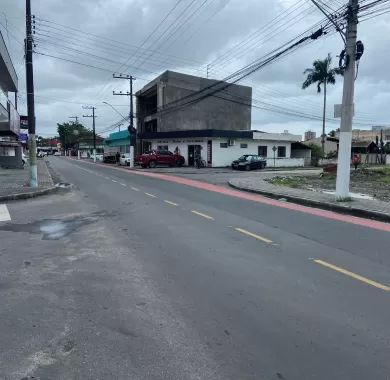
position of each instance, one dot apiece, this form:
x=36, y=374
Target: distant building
x=165, y=105
x=10, y=146
x=370, y=134
x=310, y=135
x=331, y=143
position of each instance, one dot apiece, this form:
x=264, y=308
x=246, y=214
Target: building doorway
x=193, y=152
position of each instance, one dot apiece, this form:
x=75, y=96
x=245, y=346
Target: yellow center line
x=171, y=203
x=134, y=188
x=202, y=215
x=353, y=275
x=150, y=195
x=251, y=234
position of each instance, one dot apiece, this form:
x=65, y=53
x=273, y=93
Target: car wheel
x=247, y=167
x=179, y=163
x=143, y=166
x=128, y=163
x=152, y=164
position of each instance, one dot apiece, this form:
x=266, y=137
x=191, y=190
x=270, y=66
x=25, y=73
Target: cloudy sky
x=147, y=37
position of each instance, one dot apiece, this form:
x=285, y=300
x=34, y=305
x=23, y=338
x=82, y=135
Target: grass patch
x=294, y=182
x=344, y=199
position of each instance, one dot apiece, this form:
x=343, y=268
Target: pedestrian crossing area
x=4, y=213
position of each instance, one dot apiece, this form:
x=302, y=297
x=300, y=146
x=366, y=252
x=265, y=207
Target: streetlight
x=123, y=117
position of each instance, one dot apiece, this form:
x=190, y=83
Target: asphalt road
x=135, y=277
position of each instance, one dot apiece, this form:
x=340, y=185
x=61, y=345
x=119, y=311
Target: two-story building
x=212, y=119
x=10, y=146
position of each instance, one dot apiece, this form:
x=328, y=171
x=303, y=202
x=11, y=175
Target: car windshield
x=243, y=158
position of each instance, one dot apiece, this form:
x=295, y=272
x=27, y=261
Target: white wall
x=222, y=157
x=225, y=156
x=285, y=162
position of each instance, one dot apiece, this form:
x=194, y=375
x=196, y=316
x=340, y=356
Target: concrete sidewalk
x=14, y=183
x=372, y=209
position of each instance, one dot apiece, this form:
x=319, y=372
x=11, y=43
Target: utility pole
x=32, y=145
x=74, y=117
x=344, y=157
x=93, y=128
x=130, y=78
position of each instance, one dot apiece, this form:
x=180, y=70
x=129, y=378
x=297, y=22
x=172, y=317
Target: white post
x=78, y=154
x=131, y=156
x=344, y=156
x=94, y=155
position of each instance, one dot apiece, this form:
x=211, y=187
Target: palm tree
x=321, y=74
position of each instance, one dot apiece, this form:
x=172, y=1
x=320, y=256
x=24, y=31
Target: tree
x=321, y=74
x=316, y=153
x=70, y=134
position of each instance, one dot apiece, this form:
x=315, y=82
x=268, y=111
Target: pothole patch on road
x=55, y=229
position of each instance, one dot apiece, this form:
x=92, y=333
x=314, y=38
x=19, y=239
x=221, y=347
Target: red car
x=160, y=157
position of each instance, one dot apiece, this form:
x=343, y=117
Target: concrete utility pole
x=93, y=128
x=32, y=145
x=344, y=157
x=130, y=78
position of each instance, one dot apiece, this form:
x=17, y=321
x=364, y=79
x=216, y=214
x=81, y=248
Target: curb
x=33, y=194
x=375, y=215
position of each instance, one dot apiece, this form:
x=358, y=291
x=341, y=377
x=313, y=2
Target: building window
x=243, y=146
x=162, y=147
x=223, y=145
x=262, y=151
x=281, y=151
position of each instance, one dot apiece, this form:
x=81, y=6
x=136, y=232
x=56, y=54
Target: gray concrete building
x=166, y=104
x=10, y=147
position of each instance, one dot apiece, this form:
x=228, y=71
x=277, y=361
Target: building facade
x=309, y=135
x=10, y=147
x=165, y=105
x=220, y=147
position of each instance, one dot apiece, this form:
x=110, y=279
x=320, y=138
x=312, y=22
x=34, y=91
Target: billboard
x=23, y=122
x=23, y=137
x=14, y=119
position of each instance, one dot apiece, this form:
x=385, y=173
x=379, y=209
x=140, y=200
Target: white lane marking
x=108, y=178
x=171, y=203
x=150, y=195
x=123, y=184
x=113, y=180
x=4, y=214
x=134, y=188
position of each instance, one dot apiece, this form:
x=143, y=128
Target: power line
x=150, y=35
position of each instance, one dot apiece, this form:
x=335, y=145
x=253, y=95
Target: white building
x=220, y=147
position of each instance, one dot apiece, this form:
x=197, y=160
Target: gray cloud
x=219, y=26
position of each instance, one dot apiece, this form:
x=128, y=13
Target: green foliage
x=71, y=134
x=316, y=151
x=321, y=73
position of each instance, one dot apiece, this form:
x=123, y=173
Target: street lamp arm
x=123, y=117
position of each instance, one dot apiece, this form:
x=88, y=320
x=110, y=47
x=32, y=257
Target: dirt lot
x=373, y=182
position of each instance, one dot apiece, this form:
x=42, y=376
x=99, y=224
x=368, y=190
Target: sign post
x=274, y=148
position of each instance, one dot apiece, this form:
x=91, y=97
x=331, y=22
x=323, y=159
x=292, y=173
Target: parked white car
x=99, y=157
x=57, y=154
x=125, y=159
